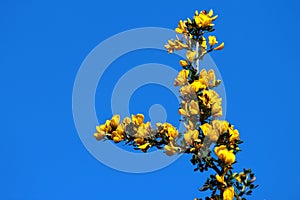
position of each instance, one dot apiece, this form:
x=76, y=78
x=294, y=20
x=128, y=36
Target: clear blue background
x=42, y=45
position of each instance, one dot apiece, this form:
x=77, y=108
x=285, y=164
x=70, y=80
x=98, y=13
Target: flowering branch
x=200, y=109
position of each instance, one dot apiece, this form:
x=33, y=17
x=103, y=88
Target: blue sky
x=42, y=46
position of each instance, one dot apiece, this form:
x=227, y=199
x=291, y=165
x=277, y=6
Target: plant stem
x=214, y=167
x=197, y=56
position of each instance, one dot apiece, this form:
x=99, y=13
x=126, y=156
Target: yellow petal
x=197, y=20
x=230, y=157
x=212, y=40
x=194, y=107
x=203, y=73
x=126, y=120
x=198, y=85
x=178, y=30
x=183, y=111
x=99, y=136
x=115, y=120
x=220, y=179
x=228, y=193
x=98, y=129
x=203, y=43
x=144, y=147
x=171, y=43
x=170, y=149
x=216, y=110
x=220, y=47
x=137, y=119
x=205, y=128
x=187, y=90
x=121, y=129
x=214, y=17
x=181, y=79
x=234, y=135
x=179, y=45
x=220, y=151
x=183, y=63
x=172, y=133
x=116, y=137
x=210, y=13
x=190, y=136
x=190, y=55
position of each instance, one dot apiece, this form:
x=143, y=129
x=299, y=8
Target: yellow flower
x=99, y=136
x=187, y=109
x=169, y=48
x=206, y=98
x=170, y=150
x=187, y=90
x=170, y=131
x=108, y=127
x=203, y=43
x=101, y=128
x=119, y=134
x=181, y=27
x=224, y=154
x=115, y=120
x=220, y=47
x=181, y=79
x=105, y=127
x=220, y=179
x=126, y=120
x=209, y=98
x=137, y=119
x=183, y=110
x=189, y=125
x=206, y=80
x=198, y=85
x=179, y=45
x=183, y=63
x=214, y=130
x=204, y=19
x=210, y=132
x=220, y=126
x=143, y=130
x=234, y=134
x=191, y=136
x=190, y=55
x=175, y=45
x=205, y=128
x=194, y=107
x=211, y=12
x=144, y=147
x=228, y=193
x=216, y=110
x=209, y=78
x=212, y=40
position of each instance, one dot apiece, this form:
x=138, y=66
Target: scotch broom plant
x=200, y=110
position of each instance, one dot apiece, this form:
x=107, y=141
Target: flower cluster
x=192, y=34
x=133, y=131
x=200, y=110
